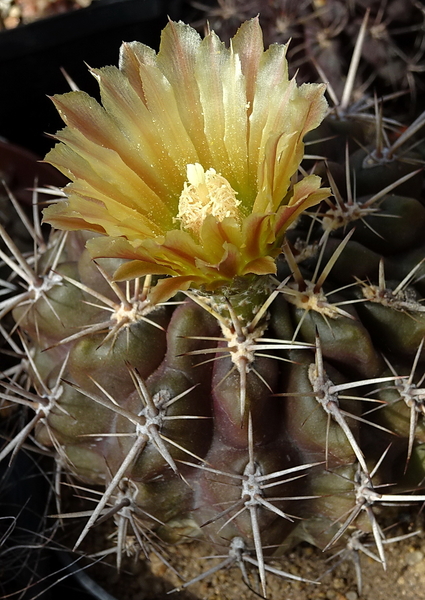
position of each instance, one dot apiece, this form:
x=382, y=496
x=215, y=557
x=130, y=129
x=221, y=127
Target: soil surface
x=404, y=577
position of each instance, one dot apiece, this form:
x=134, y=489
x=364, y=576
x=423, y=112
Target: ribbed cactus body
x=152, y=394
x=252, y=409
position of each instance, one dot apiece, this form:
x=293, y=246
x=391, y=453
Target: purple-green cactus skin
x=273, y=399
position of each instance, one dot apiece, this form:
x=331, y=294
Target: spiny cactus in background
x=218, y=345
x=320, y=31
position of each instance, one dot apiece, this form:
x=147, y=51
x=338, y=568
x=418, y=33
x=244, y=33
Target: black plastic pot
x=30, y=562
x=86, y=583
x=31, y=57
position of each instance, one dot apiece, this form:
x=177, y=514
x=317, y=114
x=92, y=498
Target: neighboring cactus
x=233, y=353
x=321, y=31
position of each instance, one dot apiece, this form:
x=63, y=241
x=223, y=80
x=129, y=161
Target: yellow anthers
x=207, y=193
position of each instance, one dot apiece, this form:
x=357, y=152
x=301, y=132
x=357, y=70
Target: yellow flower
x=188, y=168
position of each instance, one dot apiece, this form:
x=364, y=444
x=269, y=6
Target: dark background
x=31, y=57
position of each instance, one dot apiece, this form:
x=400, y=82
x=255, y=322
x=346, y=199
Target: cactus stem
x=42, y=404
x=253, y=483
x=355, y=546
x=342, y=213
x=398, y=299
x=204, y=304
x=309, y=295
x=365, y=497
x=244, y=343
x=149, y=420
x=414, y=397
x=239, y=347
x=328, y=398
x=131, y=309
x=135, y=450
x=38, y=283
x=125, y=510
x=328, y=395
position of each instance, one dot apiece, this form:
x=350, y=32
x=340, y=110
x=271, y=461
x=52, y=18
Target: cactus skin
x=149, y=404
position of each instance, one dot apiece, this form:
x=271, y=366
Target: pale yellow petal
x=176, y=59
x=115, y=220
x=275, y=168
x=306, y=193
x=82, y=189
x=82, y=171
x=61, y=216
x=98, y=141
x=139, y=145
x=316, y=105
x=161, y=102
x=258, y=235
x=103, y=247
x=214, y=234
x=236, y=128
x=290, y=151
x=167, y=288
x=208, y=71
x=266, y=265
x=249, y=46
x=132, y=55
x=271, y=93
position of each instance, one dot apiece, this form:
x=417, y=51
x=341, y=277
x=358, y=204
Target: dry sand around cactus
x=404, y=578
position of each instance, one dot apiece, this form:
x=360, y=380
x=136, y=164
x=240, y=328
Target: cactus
x=321, y=31
x=218, y=345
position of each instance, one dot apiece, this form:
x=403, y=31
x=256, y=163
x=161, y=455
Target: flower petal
x=230, y=114
x=167, y=288
x=162, y=104
x=90, y=156
x=306, y=193
x=266, y=265
x=249, y=46
x=176, y=59
x=140, y=145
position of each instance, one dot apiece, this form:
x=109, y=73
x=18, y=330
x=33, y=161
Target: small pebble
x=338, y=583
x=413, y=558
x=351, y=596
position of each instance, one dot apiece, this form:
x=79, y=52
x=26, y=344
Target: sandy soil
x=403, y=579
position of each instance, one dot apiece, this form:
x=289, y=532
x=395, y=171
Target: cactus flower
x=188, y=167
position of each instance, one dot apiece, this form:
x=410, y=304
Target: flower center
x=205, y=193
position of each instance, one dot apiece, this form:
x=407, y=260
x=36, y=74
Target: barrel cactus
x=222, y=337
